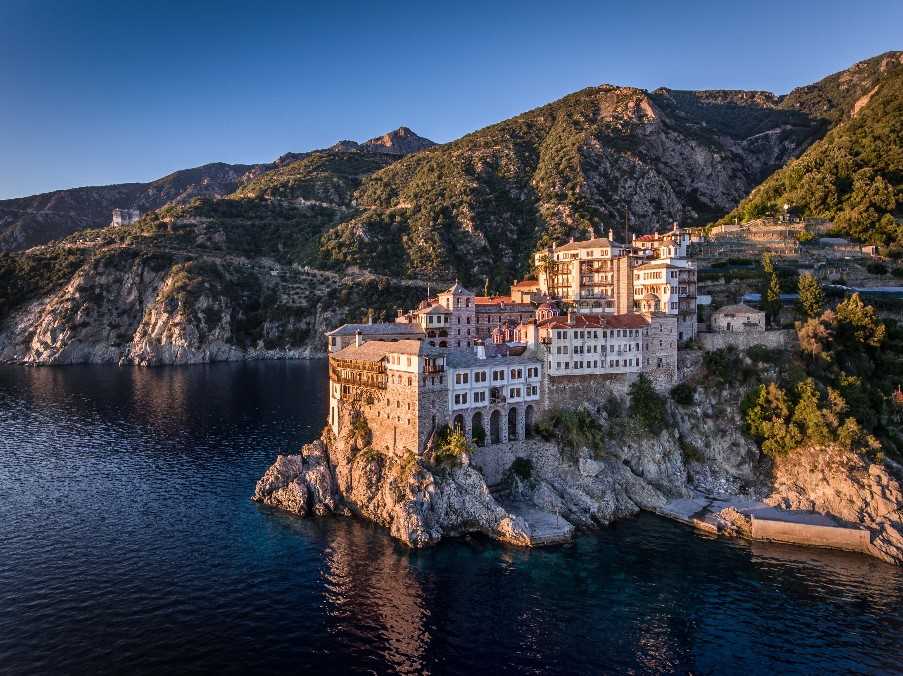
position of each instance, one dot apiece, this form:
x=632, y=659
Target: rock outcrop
x=846, y=485
x=417, y=503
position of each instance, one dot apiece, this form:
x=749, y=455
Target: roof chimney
x=358, y=338
x=480, y=350
x=611, y=235
x=572, y=315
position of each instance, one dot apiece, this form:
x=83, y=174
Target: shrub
x=646, y=405
x=479, y=434
x=689, y=451
x=726, y=365
x=876, y=268
x=897, y=272
x=682, y=394
x=764, y=355
x=452, y=447
x=573, y=429
x=522, y=468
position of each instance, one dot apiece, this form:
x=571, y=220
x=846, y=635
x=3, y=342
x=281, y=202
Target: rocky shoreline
x=420, y=502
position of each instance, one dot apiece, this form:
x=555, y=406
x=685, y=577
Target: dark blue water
x=128, y=544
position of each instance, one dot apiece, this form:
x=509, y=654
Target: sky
x=93, y=93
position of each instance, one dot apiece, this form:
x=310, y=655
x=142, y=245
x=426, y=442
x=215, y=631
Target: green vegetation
x=522, y=468
x=573, y=429
x=451, y=446
x=782, y=421
x=812, y=298
x=726, y=366
x=646, y=405
x=771, y=291
x=854, y=175
x=842, y=391
x=683, y=394
x=876, y=268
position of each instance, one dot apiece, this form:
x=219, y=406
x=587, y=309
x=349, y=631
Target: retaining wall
x=836, y=537
x=779, y=338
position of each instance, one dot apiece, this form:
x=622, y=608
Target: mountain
x=854, y=175
x=337, y=234
x=28, y=221
x=478, y=207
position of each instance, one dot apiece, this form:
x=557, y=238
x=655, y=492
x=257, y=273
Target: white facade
x=493, y=382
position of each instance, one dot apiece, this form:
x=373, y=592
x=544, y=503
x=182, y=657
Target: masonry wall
x=780, y=338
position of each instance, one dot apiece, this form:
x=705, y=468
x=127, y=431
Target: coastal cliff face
x=126, y=306
x=419, y=503
x=844, y=484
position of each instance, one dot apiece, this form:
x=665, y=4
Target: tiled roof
x=375, y=350
x=501, y=300
x=380, y=329
x=526, y=284
x=458, y=290
x=738, y=309
x=626, y=321
x=503, y=357
x=594, y=243
x=435, y=309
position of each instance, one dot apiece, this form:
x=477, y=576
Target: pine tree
x=812, y=298
x=771, y=294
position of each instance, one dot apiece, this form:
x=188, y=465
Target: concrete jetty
x=742, y=517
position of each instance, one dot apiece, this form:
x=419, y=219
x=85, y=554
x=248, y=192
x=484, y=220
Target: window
x=514, y=392
x=533, y=372
x=479, y=397
x=461, y=378
x=461, y=399
x=479, y=376
x=517, y=374
x=498, y=375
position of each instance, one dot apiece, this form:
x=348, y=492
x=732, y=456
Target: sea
x=129, y=545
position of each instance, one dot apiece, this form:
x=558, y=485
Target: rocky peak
x=402, y=141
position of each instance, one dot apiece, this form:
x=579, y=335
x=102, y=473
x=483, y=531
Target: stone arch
x=477, y=429
x=495, y=427
x=528, y=420
x=512, y=423
x=442, y=343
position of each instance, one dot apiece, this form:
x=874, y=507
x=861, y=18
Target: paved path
x=546, y=528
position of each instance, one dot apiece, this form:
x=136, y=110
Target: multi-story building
x=672, y=244
x=596, y=345
x=407, y=390
x=501, y=395
x=456, y=318
x=594, y=274
x=668, y=285
x=398, y=387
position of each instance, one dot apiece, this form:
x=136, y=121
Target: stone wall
x=780, y=338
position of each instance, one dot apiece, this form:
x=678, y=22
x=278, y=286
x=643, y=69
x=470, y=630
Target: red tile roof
x=626, y=321
x=526, y=283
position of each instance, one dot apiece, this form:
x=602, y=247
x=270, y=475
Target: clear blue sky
x=107, y=92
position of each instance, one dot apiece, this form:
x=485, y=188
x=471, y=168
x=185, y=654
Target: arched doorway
x=458, y=423
x=495, y=427
x=512, y=424
x=477, y=431
x=528, y=420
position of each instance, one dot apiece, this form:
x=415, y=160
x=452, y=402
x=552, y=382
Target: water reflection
x=367, y=583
